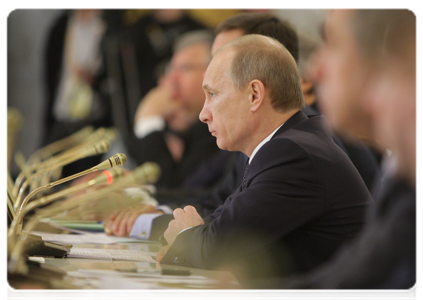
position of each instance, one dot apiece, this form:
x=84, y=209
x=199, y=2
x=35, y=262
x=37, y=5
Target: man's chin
x=221, y=145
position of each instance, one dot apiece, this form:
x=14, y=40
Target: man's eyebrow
x=206, y=87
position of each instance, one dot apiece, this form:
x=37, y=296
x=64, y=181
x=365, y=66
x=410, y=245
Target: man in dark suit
x=207, y=201
x=366, y=70
x=300, y=198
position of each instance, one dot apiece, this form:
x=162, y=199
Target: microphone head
x=111, y=134
x=148, y=172
x=96, y=135
x=102, y=147
x=83, y=133
x=117, y=160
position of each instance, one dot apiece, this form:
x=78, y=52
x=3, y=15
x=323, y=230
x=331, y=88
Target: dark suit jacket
x=202, y=163
x=206, y=201
x=383, y=256
x=303, y=199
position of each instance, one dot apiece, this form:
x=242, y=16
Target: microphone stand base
x=35, y=246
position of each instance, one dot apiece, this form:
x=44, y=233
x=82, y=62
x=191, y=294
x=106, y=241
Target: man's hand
x=157, y=102
x=121, y=221
x=184, y=218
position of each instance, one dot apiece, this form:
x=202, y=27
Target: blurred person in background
x=167, y=124
x=153, y=37
x=73, y=64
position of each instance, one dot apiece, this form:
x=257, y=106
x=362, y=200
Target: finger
x=177, y=213
x=190, y=209
x=172, y=224
x=117, y=222
x=123, y=224
x=114, y=214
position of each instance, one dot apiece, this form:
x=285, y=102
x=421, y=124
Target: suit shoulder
x=283, y=150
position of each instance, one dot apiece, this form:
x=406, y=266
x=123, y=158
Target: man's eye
x=211, y=94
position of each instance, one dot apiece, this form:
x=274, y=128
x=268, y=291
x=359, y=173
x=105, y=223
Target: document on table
x=116, y=254
x=72, y=239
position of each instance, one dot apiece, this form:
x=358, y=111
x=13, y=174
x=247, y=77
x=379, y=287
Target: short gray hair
x=194, y=37
x=264, y=58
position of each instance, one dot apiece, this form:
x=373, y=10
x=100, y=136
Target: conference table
x=110, y=278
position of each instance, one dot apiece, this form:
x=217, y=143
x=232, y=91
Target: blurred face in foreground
x=342, y=76
x=395, y=96
x=375, y=97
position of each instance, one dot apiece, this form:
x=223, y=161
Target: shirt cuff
x=164, y=208
x=185, y=229
x=142, y=226
x=147, y=125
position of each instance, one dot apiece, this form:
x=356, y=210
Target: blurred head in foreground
x=366, y=80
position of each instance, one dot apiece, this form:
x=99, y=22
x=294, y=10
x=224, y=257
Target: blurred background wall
x=26, y=37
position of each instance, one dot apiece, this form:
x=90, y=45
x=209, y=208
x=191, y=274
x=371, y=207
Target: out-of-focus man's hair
x=264, y=24
x=385, y=31
x=192, y=38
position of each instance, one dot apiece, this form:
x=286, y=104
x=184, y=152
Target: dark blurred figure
x=73, y=64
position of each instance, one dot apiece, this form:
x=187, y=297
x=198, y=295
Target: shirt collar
x=262, y=143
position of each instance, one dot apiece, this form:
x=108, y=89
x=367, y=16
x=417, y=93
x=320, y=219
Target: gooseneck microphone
x=96, y=149
x=146, y=173
x=106, y=177
x=116, y=160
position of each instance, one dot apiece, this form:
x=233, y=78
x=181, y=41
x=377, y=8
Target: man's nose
x=174, y=74
x=205, y=115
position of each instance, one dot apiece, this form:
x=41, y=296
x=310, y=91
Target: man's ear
x=256, y=94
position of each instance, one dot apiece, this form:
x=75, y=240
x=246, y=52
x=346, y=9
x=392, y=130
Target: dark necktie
x=245, y=175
